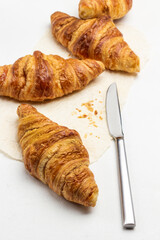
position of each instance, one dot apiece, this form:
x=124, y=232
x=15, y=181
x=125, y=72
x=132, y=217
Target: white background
x=28, y=209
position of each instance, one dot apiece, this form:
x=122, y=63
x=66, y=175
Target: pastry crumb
x=83, y=116
x=89, y=116
x=95, y=112
x=88, y=105
x=74, y=113
x=100, y=118
x=93, y=123
x=100, y=102
x=99, y=92
x=78, y=110
x=85, y=136
x=91, y=134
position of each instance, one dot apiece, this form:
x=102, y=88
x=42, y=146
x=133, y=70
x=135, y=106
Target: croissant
x=96, y=38
x=40, y=77
x=95, y=8
x=55, y=155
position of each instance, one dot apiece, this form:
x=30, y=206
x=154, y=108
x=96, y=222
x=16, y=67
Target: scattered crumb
x=99, y=92
x=82, y=116
x=85, y=136
x=97, y=137
x=90, y=116
x=100, y=102
x=74, y=113
x=91, y=134
x=90, y=119
x=100, y=118
x=95, y=112
x=93, y=123
x=78, y=110
x=88, y=105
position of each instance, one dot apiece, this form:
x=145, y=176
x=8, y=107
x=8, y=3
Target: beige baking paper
x=83, y=110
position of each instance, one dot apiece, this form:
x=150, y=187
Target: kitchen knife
x=115, y=128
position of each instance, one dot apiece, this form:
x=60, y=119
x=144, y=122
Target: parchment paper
x=84, y=110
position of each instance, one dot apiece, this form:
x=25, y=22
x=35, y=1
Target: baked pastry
x=95, y=8
x=96, y=38
x=39, y=77
x=56, y=155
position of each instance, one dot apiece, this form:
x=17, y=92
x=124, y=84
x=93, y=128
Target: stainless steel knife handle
x=126, y=195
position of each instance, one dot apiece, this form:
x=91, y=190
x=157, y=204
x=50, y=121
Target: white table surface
x=28, y=209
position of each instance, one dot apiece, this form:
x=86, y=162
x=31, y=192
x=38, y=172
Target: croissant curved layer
x=39, y=77
x=95, y=8
x=96, y=38
x=56, y=155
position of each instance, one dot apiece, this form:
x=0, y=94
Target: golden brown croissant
x=95, y=8
x=40, y=77
x=55, y=155
x=96, y=38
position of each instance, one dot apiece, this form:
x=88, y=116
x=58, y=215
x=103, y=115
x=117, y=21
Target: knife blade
x=114, y=121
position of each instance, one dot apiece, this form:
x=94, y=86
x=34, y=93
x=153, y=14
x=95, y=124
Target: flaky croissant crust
x=96, y=38
x=56, y=155
x=95, y=8
x=39, y=77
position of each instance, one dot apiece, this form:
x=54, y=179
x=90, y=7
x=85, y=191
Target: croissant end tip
x=24, y=109
x=57, y=14
x=93, y=199
x=86, y=10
